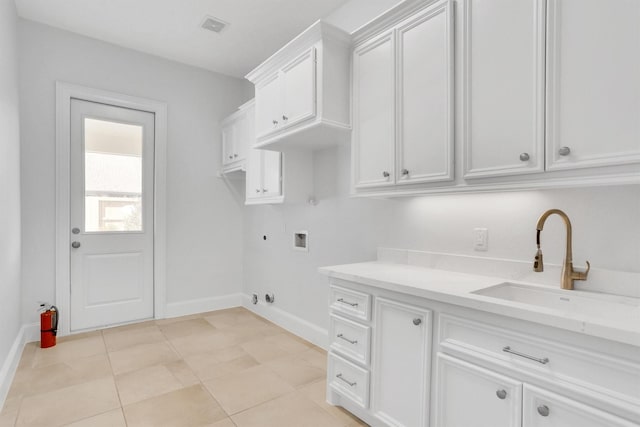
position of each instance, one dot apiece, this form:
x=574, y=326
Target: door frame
x=65, y=92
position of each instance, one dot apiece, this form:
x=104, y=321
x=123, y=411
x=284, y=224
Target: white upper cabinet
x=373, y=112
x=403, y=100
x=237, y=137
x=593, y=83
x=425, y=96
x=302, y=92
x=503, y=86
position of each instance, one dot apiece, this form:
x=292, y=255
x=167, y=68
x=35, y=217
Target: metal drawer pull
x=543, y=410
x=351, y=384
x=347, y=339
x=543, y=360
x=502, y=394
x=352, y=304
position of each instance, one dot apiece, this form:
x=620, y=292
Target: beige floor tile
x=162, y=322
x=69, y=404
x=115, y=341
x=207, y=367
x=69, y=350
x=146, y=383
x=141, y=356
x=223, y=423
x=28, y=355
x=236, y=318
x=183, y=373
x=289, y=410
x=187, y=407
x=186, y=327
x=113, y=418
x=9, y=412
x=202, y=343
x=246, y=389
x=129, y=327
x=81, y=336
x=317, y=393
x=60, y=375
x=274, y=347
x=300, y=369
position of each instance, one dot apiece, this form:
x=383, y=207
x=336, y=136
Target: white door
x=111, y=215
x=470, y=396
x=425, y=96
x=542, y=408
x=299, y=91
x=271, y=173
x=401, y=364
x=504, y=73
x=583, y=130
x=373, y=112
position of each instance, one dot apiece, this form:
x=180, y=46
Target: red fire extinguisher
x=48, y=326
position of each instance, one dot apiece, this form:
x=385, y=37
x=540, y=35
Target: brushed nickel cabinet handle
x=351, y=384
x=543, y=360
x=352, y=304
x=347, y=339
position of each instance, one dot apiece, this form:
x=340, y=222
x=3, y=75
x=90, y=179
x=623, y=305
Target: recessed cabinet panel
x=593, y=94
x=468, y=395
x=228, y=143
x=401, y=362
x=268, y=105
x=542, y=408
x=425, y=97
x=503, y=78
x=299, y=81
x=254, y=174
x=272, y=173
x=373, y=112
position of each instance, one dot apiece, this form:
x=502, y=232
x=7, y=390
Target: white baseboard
x=27, y=333
x=288, y=321
x=202, y=305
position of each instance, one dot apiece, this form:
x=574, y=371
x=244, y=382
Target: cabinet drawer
x=618, y=378
x=352, y=303
x=348, y=380
x=350, y=339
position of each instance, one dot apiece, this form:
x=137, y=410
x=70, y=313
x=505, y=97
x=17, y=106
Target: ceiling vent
x=213, y=24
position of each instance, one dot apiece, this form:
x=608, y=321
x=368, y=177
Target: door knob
x=524, y=157
x=75, y=245
x=502, y=394
x=75, y=230
x=564, y=151
x=543, y=410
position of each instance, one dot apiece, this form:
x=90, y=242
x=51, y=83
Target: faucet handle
x=538, y=265
x=579, y=275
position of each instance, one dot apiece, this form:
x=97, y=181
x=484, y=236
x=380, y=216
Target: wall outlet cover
x=480, y=239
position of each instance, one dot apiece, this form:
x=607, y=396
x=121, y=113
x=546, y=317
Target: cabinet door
x=593, y=98
x=254, y=174
x=425, y=96
x=299, y=88
x=268, y=105
x=543, y=408
x=271, y=173
x=373, y=113
x=469, y=396
x=248, y=133
x=228, y=143
x=503, y=86
x=401, y=361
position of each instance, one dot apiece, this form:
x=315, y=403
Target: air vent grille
x=213, y=24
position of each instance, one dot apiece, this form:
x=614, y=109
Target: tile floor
x=220, y=369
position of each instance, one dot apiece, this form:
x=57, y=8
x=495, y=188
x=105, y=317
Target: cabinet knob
x=502, y=394
x=285, y=118
x=231, y=157
x=405, y=172
x=75, y=245
x=543, y=410
x=275, y=122
x=564, y=151
x=417, y=321
x=264, y=190
x=257, y=190
x=235, y=155
x=524, y=157
x=385, y=174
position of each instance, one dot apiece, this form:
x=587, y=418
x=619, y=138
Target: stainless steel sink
x=578, y=302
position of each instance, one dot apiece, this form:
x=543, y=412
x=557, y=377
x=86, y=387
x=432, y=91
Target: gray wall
x=9, y=181
x=204, y=216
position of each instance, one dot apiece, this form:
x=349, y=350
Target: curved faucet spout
x=568, y=274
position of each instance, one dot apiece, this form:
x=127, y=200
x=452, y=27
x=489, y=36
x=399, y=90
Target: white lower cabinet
x=401, y=364
x=467, y=395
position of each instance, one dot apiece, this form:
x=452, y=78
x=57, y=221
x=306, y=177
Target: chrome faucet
x=568, y=274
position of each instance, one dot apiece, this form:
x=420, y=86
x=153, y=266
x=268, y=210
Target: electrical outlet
x=480, y=239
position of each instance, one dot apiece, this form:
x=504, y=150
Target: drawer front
x=547, y=359
x=348, y=380
x=352, y=303
x=350, y=339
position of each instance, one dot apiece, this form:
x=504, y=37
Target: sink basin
x=578, y=302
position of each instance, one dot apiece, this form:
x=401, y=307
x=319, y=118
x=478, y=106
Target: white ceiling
x=171, y=28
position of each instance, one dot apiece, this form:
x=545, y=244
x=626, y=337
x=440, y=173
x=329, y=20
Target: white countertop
x=456, y=288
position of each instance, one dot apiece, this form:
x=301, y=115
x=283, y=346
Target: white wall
x=204, y=216
x=9, y=183
x=606, y=223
